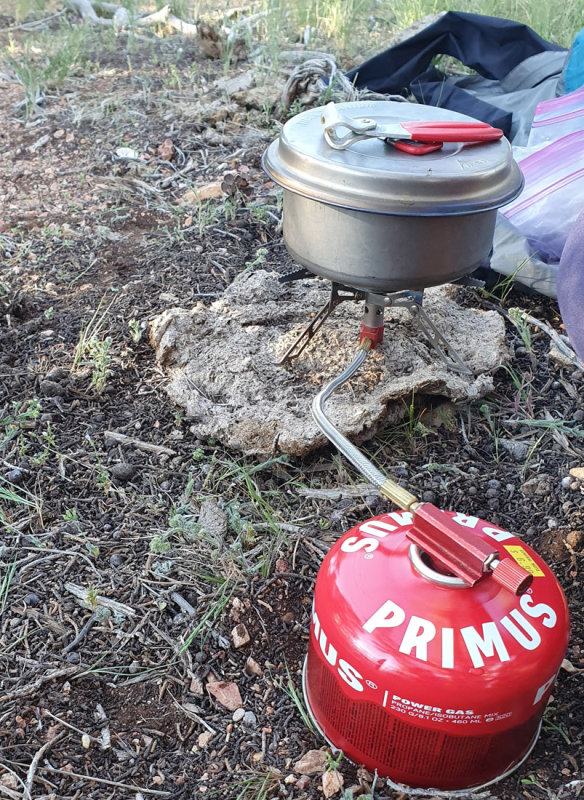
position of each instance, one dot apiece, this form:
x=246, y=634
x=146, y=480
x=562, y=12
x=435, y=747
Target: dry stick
x=87, y=12
x=35, y=762
x=139, y=444
x=32, y=687
x=92, y=779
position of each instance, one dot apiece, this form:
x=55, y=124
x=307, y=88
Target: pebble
x=567, y=482
x=14, y=476
x=553, y=524
x=578, y=415
x=240, y=635
x=73, y=658
x=517, y=450
x=116, y=560
x=123, y=472
x=429, y=497
x=252, y=667
x=204, y=739
x=238, y=715
x=575, y=539
x=32, y=600
x=492, y=493
x=472, y=490
x=493, y=484
x=249, y=719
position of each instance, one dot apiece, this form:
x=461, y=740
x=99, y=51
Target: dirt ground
x=131, y=549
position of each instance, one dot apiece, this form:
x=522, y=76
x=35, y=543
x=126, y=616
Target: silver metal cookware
x=365, y=214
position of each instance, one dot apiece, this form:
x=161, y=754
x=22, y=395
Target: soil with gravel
x=131, y=550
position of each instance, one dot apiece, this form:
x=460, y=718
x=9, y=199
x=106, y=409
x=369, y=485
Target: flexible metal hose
x=365, y=467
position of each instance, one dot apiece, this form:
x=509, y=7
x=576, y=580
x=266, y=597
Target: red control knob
x=512, y=576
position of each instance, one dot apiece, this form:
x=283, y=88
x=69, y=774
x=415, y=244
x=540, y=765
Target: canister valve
x=462, y=552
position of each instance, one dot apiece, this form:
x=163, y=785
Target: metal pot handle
x=332, y=119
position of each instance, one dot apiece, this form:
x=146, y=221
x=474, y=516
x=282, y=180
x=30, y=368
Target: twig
x=93, y=779
x=31, y=688
x=564, y=348
x=153, y=19
x=148, y=447
x=35, y=762
x=34, y=24
x=340, y=493
x=87, y=12
x=82, y=633
x=100, y=600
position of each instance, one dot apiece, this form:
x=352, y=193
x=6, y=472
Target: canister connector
x=462, y=552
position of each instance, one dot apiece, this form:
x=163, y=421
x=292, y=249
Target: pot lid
x=372, y=175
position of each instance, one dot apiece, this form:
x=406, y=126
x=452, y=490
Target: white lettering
x=350, y=675
x=354, y=543
x=331, y=655
x=402, y=518
x=315, y=622
x=418, y=633
x=467, y=522
x=538, y=610
x=491, y=640
x=377, y=527
x=448, y=648
x=497, y=535
x=543, y=689
x=528, y=643
x=390, y=615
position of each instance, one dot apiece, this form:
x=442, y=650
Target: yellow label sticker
x=524, y=560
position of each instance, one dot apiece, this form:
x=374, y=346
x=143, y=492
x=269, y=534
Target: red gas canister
x=414, y=673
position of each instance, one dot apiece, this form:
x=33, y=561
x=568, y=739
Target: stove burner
x=372, y=324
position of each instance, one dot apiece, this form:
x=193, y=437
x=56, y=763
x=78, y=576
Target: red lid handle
x=452, y=131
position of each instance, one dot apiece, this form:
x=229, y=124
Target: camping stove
x=436, y=637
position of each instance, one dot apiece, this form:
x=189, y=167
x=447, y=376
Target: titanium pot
x=379, y=219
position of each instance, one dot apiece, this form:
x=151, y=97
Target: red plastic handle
x=415, y=148
x=452, y=131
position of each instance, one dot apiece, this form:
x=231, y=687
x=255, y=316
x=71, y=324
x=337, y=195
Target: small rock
x=249, y=719
x=226, y=693
x=14, y=476
x=116, y=560
x=73, y=658
x=204, y=739
x=252, y=667
x=290, y=780
x=240, y=636
x=127, y=153
x=213, y=519
x=288, y=617
x=574, y=539
x=238, y=715
x=332, y=782
x=311, y=763
x=57, y=374
x=303, y=782
x=52, y=389
x=578, y=473
x=32, y=600
x=517, y=450
x=165, y=150
x=567, y=482
x=427, y=497
x=122, y=473
x=281, y=565
x=538, y=485
x=196, y=686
